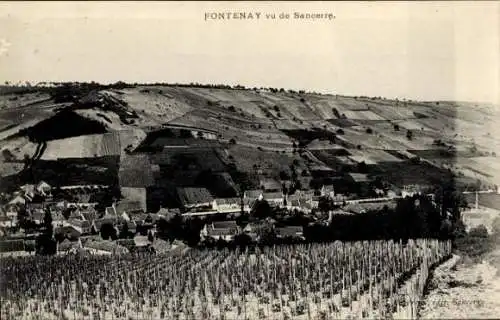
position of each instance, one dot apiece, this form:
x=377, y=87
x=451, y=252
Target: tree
x=340, y=131
x=409, y=135
x=284, y=175
x=232, y=141
x=265, y=233
x=369, y=130
x=124, y=230
x=479, y=231
x=396, y=127
x=108, y=231
x=262, y=209
x=242, y=240
x=47, y=223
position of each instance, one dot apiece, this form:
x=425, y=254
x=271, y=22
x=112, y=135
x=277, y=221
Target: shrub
x=409, y=134
x=479, y=231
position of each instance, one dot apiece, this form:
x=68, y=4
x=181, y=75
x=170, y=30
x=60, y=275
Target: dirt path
x=465, y=289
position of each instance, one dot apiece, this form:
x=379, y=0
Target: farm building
x=195, y=198
x=296, y=232
x=225, y=230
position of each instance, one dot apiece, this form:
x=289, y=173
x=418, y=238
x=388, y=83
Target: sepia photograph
x=249, y=160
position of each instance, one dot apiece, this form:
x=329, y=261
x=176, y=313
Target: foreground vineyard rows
x=370, y=279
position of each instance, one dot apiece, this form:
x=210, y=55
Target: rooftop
x=224, y=224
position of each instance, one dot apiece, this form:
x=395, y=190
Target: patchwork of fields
x=252, y=125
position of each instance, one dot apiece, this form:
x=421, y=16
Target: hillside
x=260, y=131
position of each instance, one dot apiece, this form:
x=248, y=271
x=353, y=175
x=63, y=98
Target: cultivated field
x=88, y=146
x=373, y=280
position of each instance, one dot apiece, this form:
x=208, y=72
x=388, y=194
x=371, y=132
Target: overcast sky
x=424, y=50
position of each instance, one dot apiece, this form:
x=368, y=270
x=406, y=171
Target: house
x=11, y=210
x=44, y=188
x=76, y=215
x=110, y=211
x=82, y=226
x=195, y=199
x=270, y=185
x=360, y=184
x=225, y=230
x=35, y=207
x=19, y=200
x=411, y=190
x=68, y=232
x=29, y=191
x=274, y=198
x=314, y=201
x=7, y=222
x=89, y=214
x=161, y=246
x=126, y=209
x=228, y=205
x=104, y=247
x=327, y=191
x=252, y=194
x=252, y=229
x=57, y=218
x=98, y=223
x=290, y=232
x=131, y=225
x=37, y=217
x=67, y=246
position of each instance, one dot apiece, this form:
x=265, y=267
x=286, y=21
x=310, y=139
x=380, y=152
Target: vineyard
x=370, y=279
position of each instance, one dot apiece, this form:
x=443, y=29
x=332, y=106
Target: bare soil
x=465, y=289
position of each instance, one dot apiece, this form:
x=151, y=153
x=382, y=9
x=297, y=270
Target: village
x=80, y=222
